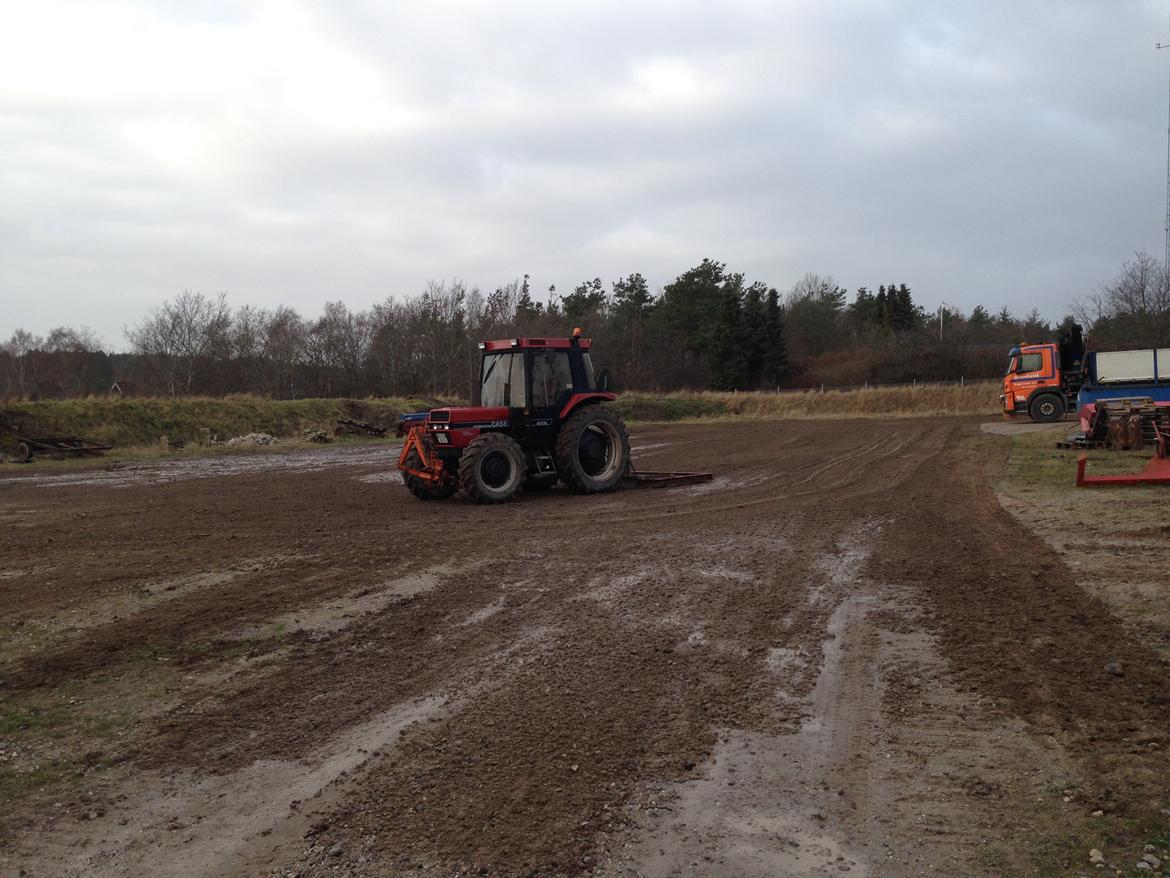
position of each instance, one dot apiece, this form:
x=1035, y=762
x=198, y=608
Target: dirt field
x=842, y=656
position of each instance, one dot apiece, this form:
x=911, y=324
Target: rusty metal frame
x=432, y=472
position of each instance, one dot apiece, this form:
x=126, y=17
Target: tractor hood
x=483, y=417
x=470, y=416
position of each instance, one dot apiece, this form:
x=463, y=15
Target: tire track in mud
x=887, y=448
x=677, y=636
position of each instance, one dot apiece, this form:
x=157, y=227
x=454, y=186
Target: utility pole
x=1166, y=255
x=943, y=307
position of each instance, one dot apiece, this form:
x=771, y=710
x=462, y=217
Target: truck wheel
x=592, y=450
x=24, y=453
x=491, y=469
x=421, y=489
x=1046, y=407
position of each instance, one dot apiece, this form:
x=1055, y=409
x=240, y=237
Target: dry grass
x=976, y=398
x=140, y=422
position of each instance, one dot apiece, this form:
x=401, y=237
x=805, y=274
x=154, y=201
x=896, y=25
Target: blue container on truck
x=1126, y=375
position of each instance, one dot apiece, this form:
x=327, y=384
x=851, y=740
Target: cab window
x=551, y=377
x=1031, y=363
x=503, y=380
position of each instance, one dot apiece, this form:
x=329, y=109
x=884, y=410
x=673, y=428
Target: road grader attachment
x=541, y=419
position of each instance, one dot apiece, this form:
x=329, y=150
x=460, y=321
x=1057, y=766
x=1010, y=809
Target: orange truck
x=1046, y=381
x=1042, y=380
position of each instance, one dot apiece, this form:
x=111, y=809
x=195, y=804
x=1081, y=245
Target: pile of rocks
x=1150, y=863
x=252, y=439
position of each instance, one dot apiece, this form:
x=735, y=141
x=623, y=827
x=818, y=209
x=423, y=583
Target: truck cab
x=1042, y=380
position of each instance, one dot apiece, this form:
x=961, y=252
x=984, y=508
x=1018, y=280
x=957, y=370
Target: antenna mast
x=1166, y=254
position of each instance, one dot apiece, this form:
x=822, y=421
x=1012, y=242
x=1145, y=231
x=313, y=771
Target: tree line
x=708, y=328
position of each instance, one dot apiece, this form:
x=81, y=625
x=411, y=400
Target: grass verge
x=978, y=398
x=141, y=422
x=1114, y=541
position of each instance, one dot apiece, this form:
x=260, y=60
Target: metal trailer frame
x=29, y=447
x=1155, y=472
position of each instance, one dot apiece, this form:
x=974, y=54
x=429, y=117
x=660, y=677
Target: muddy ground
x=841, y=656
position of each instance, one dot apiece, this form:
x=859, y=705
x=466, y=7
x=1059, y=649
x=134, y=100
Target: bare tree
x=814, y=312
x=183, y=337
x=19, y=348
x=1133, y=308
x=343, y=337
x=68, y=355
x=283, y=344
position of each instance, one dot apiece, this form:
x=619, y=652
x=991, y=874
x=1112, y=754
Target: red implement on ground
x=1155, y=472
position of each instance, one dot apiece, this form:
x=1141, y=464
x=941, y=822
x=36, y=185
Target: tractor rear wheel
x=593, y=450
x=422, y=489
x=491, y=469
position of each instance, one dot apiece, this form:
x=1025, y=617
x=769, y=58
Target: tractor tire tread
x=566, y=449
x=469, y=464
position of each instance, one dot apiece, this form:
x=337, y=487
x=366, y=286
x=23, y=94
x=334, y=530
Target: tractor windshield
x=503, y=380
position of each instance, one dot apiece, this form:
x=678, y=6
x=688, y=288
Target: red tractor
x=540, y=420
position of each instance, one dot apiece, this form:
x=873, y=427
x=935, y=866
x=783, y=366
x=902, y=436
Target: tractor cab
x=534, y=373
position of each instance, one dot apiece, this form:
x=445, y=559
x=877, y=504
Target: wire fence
x=868, y=385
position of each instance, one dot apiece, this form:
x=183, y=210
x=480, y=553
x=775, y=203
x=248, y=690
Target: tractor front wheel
x=491, y=469
x=593, y=450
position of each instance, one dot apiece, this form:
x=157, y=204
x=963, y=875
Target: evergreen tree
x=980, y=320
x=689, y=302
x=727, y=357
x=775, y=351
x=865, y=310
x=526, y=309
x=755, y=331
x=631, y=297
x=632, y=304
x=587, y=298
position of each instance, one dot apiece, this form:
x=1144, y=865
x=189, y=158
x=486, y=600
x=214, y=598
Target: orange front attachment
x=431, y=470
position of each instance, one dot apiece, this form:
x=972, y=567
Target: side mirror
x=604, y=380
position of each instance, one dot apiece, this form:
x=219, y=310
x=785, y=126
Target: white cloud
x=286, y=151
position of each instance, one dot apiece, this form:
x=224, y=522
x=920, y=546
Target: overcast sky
x=282, y=152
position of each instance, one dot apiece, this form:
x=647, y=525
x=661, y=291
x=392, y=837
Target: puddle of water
x=123, y=474
x=727, y=483
x=843, y=565
x=826, y=692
